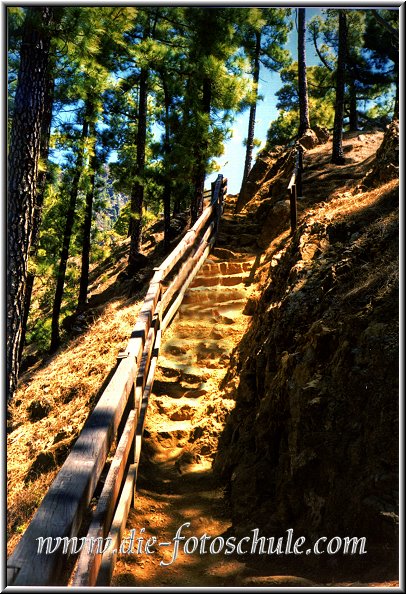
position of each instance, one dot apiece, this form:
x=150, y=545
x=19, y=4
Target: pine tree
x=283, y=130
x=338, y=156
x=87, y=222
x=167, y=189
x=70, y=218
x=151, y=17
x=212, y=86
x=264, y=31
x=102, y=29
x=369, y=73
x=302, y=77
x=381, y=39
x=31, y=97
x=137, y=191
x=253, y=108
x=41, y=189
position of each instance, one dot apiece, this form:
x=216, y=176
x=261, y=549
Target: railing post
x=216, y=201
x=293, y=209
x=223, y=194
x=299, y=171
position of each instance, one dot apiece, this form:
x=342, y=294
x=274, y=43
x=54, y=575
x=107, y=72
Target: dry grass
x=69, y=385
x=348, y=203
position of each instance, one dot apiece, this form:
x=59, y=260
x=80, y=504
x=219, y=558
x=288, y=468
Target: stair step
x=233, y=226
x=226, y=254
x=203, y=329
x=225, y=280
x=183, y=410
x=211, y=268
x=215, y=295
x=223, y=312
x=169, y=389
x=180, y=347
x=174, y=429
x=238, y=240
x=191, y=374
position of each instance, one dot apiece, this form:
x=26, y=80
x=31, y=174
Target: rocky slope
x=312, y=443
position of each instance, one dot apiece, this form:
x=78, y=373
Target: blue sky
x=232, y=161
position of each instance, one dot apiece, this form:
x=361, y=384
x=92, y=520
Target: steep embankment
x=312, y=443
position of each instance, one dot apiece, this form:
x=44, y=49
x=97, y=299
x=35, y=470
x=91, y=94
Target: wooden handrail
x=62, y=511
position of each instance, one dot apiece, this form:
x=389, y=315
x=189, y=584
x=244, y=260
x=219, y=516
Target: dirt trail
x=187, y=412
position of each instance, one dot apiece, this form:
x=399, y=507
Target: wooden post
x=109, y=558
x=299, y=172
x=216, y=201
x=89, y=561
x=293, y=209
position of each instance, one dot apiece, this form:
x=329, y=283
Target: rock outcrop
x=386, y=163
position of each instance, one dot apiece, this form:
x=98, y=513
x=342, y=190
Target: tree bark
x=137, y=192
x=25, y=147
x=41, y=187
x=396, y=107
x=87, y=227
x=253, y=110
x=70, y=217
x=201, y=157
x=304, y=123
x=338, y=156
x=353, y=107
x=167, y=181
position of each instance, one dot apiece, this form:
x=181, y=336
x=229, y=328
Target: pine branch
x=322, y=58
x=385, y=24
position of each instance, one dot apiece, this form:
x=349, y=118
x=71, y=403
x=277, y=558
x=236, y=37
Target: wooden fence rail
x=295, y=189
x=118, y=417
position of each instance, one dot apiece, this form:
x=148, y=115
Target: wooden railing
x=118, y=417
x=295, y=189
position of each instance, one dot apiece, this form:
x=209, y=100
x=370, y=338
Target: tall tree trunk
x=137, y=192
x=25, y=146
x=304, y=123
x=167, y=180
x=201, y=157
x=253, y=109
x=87, y=226
x=338, y=156
x=396, y=107
x=353, y=106
x=70, y=217
x=176, y=206
x=41, y=186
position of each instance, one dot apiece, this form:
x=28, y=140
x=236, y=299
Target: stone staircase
x=197, y=346
x=186, y=415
